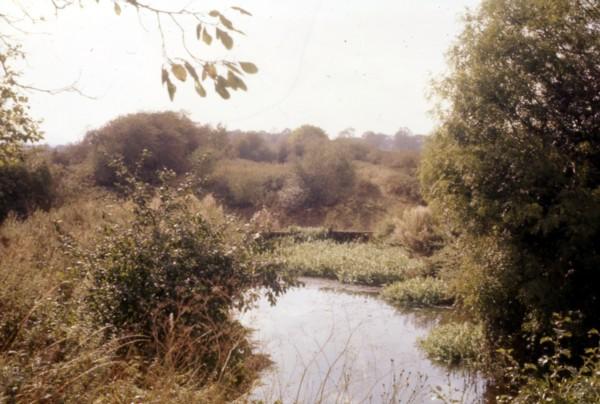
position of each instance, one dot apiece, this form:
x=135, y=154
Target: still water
x=333, y=343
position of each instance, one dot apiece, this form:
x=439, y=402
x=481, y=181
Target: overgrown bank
x=107, y=302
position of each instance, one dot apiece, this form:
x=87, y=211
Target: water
x=332, y=343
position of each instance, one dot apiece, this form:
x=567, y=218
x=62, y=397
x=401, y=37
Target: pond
x=335, y=343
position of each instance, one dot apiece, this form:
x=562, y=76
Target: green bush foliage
x=252, y=146
x=455, y=344
x=247, y=184
x=359, y=263
x=326, y=175
x=304, y=138
x=24, y=189
x=155, y=141
x=515, y=166
x=553, y=378
x=418, y=292
x=168, y=258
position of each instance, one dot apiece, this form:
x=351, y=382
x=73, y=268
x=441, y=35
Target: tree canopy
x=515, y=166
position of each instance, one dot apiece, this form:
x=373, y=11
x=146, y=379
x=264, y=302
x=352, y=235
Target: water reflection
x=333, y=343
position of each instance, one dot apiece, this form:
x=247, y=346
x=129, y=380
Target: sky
x=336, y=64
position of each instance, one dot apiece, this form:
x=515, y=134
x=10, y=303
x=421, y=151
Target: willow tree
x=514, y=167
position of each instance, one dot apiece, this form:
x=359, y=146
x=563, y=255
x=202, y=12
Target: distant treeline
x=287, y=171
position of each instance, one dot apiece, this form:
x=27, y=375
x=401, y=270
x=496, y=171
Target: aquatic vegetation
x=418, y=292
x=455, y=343
x=361, y=263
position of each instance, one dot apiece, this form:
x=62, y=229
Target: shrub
x=404, y=185
x=169, y=261
x=157, y=140
x=418, y=231
x=247, y=184
x=24, y=189
x=304, y=138
x=252, y=146
x=292, y=196
x=455, y=343
x=326, y=175
x=559, y=375
x=418, y=292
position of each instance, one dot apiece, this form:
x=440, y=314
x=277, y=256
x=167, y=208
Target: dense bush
x=304, y=138
x=326, y=174
x=24, y=189
x=405, y=186
x=515, y=166
x=247, y=184
x=61, y=271
x=252, y=146
x=552, y=378
x=156, y=140
x=170, y=261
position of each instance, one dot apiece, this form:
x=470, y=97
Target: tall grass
x=53, y=350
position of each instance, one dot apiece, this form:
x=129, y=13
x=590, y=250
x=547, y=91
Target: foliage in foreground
x=559, y=375
x=418, y=292
x=455, y=343
x=127, y=304
x=515, y=166
x=361, y=263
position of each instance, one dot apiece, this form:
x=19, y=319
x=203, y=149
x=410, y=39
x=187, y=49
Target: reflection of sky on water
x=334, y=345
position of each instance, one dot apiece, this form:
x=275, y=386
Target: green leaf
x=179, y=71
x=241, y=10
x=225, y=38
x=206, y=37
x=191, y=70
x=200, y=90
x=117, y=9
x=248, y=67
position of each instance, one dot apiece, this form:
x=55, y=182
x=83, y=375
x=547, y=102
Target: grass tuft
x=418, y=292
x=455, y=344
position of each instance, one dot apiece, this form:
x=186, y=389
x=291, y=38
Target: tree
x=16, y=125
x=146, y=142
x=326, y=175
x=304, y=137
x=515, y=165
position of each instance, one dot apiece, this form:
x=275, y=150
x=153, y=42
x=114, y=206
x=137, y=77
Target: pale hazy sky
x=364, y=64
